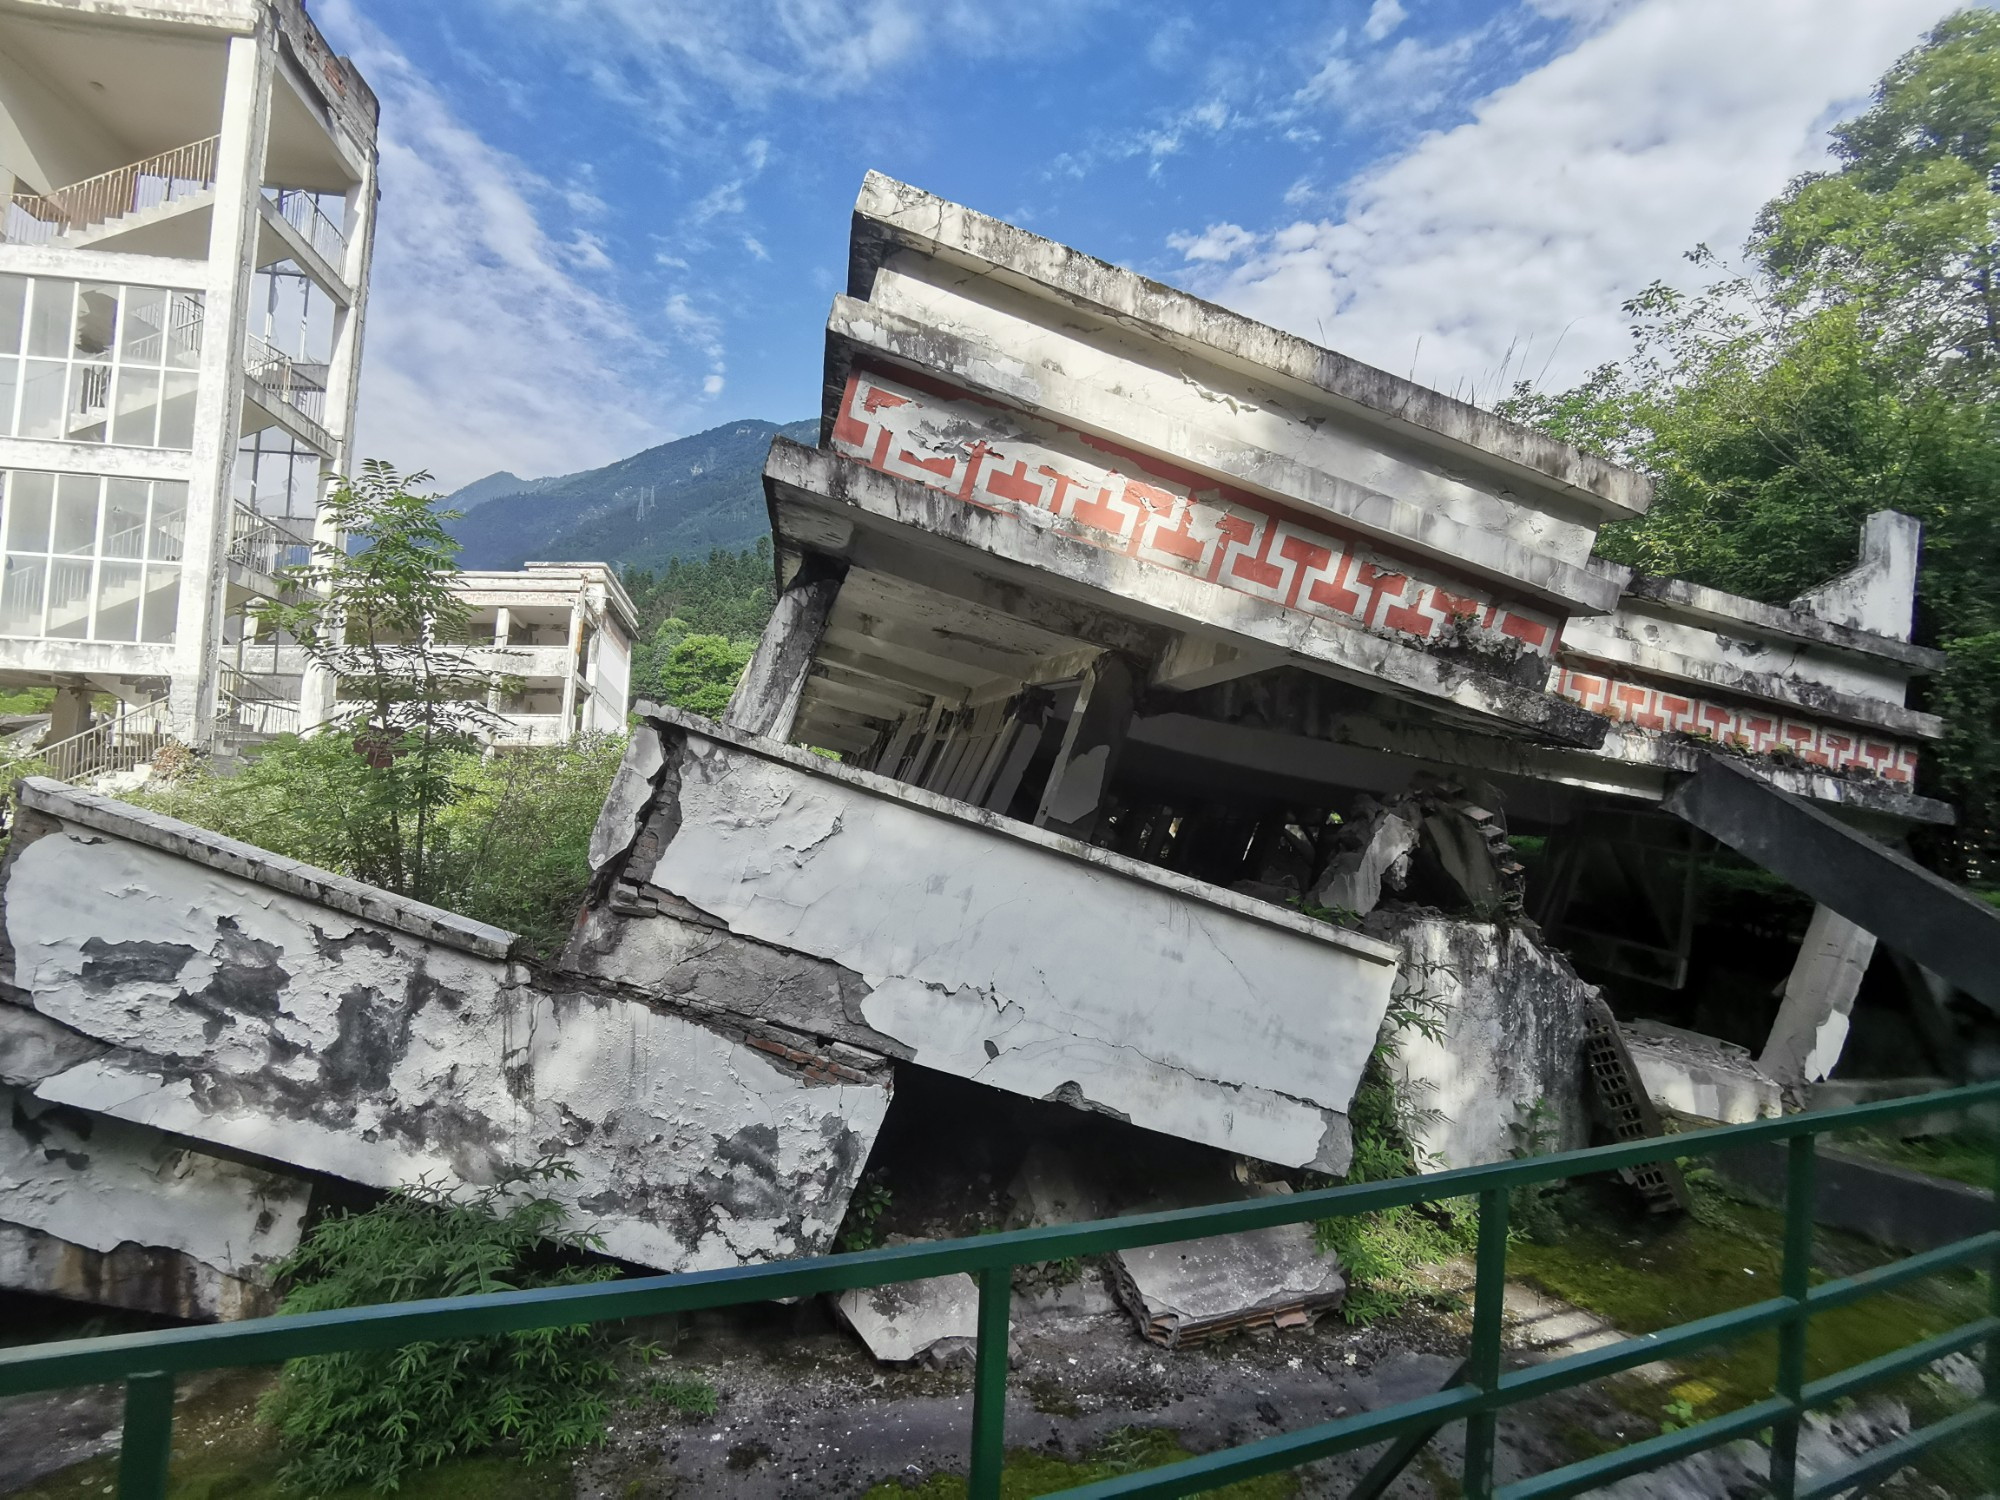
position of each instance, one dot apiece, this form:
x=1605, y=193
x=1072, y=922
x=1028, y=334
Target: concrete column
x=575, y=644
x=69, y=714
x=1811, y=1028
x=232, y=244
x=766, y=700
x=1091, y=746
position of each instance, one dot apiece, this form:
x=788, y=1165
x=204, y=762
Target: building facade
x=189, y=191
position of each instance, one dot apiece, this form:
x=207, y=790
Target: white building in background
x=562, y=636
x=189, y=190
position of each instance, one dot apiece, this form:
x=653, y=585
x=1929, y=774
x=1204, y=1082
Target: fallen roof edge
x=912, y=217
x=1233, y=902
x=1715, y=605
x=248, y=862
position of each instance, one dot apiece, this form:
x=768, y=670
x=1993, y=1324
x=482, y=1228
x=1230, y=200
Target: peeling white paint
x=998, y=959
x=253, y=1019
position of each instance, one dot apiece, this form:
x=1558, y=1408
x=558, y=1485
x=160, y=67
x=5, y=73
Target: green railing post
x=148, y=1444
x=1489, y=1303
x=1992, y=1444
x=1801, y=1199
x=989, y=1385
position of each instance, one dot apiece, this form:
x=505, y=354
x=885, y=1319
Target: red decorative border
x=1169, y=518
x=1758, y=730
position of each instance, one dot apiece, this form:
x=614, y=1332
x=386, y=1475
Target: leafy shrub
x=510, y=841
x=377, y=1416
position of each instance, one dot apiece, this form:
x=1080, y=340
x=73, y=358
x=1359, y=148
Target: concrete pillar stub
x=1811, y=1029
x=766, y=700
x=1091, y=746
x=69, y=713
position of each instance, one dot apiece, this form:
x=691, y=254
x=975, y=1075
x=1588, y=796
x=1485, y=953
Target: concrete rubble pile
x=1183, y=690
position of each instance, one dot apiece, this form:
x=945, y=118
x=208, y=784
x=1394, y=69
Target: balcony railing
x=301, y=210
x=300, y=385
x=36, y=218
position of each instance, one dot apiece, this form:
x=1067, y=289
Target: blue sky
x=608, y=223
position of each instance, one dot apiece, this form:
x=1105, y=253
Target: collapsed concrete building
x=1180, y=686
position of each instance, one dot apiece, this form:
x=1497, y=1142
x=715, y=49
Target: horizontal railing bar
x=1898, y=1362
x=1892, y=1456
x=267, y=1340
x=1643, y=1349
x=1288, y=1450
x=1590, y=1473
x=1883, y=1278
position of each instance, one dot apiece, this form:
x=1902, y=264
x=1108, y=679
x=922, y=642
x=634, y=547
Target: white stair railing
x=115, y=744
x=299, y=385
x=264, y=544
x=35, y=218
x=241, y=703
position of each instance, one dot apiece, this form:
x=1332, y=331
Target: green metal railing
x=148, y=1363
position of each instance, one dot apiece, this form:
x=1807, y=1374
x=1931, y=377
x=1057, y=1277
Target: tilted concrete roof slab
x=1482, y=545
x=891, y=215
x=1017, y=557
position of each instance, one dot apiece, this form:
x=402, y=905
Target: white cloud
x=1384, y=16
x=670, y=56
x=1406, y=82
x=1574, y=187
x=712, y=385
x=490, y=344
x=756, y=247
x=1217, y=243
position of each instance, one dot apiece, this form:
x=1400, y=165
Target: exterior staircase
x=117, y=202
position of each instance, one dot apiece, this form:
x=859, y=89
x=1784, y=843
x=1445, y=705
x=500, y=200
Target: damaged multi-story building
x=1150, y=711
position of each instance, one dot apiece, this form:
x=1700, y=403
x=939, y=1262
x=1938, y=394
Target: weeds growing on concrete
x=378, y=1416
x=1383, y=1254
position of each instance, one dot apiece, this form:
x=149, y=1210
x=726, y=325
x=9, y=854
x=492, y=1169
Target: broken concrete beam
x=766, y=700
x=1092, y=741
x=1702, y=1076
x=981, y=947
x=99, y=1211
x=911, y=1319
x=1192, y=1290
x=1506, y=1058
x=1373, y=852
x=1811, y=1027
x=238, y=1011
x=1942, y=926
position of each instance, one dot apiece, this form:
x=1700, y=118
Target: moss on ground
x=1645, y=1276
x=1028, y=1473
x=222, y=1452
x=1961, y=1158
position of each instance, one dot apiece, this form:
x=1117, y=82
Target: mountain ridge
x=677, y=499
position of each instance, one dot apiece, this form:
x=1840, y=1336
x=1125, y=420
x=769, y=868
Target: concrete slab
x=913, y=1318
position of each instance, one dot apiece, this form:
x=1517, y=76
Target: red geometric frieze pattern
x=1761, y=731
x=1004, y=461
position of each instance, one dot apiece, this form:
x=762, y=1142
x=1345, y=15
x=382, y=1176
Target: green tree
x=384, y=620
x=1850, y=366
x=700, y=673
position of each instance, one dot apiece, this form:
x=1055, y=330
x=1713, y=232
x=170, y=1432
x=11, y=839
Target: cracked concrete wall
x=1513, y=1014
x=910, y=924
x=97, y=1210
x=237, y=1013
